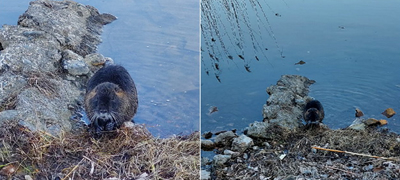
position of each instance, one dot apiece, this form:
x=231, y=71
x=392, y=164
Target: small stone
x=205, y=175
x=266, y=145
x=282, y=156
x=382, y=122
x=207, y=135
x=245, y=156
x=205, y=161
x=241, y=143
x=74, y=63
x=95, y=59
x=304, y=170
x=371, y=121
x=207, y=145
x=389, y=112
x=225, y=138
x=228, y=152
x=359, y=113
x=360, y=126
x=128, y=124
x=27, y=177
x=220, y=160
x=76, y=67
x=323, y=176
x=314, y=150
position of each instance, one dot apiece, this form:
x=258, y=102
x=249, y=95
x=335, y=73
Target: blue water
x=158, y=42
x=351, y=49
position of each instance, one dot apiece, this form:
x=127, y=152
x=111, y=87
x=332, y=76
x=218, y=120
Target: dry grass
x=125, y=154
x=9, y=103
x=300, y=161
x=43, y=83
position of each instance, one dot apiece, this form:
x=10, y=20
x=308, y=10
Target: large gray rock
x=28, y=54
x=75, y=26
x=258, y=130
x=51, y=39
x=285, y=105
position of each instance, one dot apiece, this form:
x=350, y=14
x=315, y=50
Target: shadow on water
x=234, y=31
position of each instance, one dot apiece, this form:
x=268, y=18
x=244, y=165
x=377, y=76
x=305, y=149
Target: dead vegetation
x=44, y=83
x=128, y=153
x=289, y=155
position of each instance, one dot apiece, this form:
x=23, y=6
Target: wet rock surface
x=43, y=64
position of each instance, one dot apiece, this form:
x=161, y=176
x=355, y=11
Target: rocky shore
x=45, y=62
x=281, y=147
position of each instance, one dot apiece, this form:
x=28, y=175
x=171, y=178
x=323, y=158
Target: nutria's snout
x=103, y=121
x=111, y=99
x=313, y=112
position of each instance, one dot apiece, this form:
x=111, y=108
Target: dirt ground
x=128, y=153
x=288, y=155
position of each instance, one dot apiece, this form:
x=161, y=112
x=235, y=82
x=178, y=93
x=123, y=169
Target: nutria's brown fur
x=111, y=98
x=313, y=112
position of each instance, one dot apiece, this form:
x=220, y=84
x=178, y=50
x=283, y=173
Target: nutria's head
x=103, y=105
x=312, y=115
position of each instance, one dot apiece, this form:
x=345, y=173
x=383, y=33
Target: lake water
x=158, y=43
x=351, y=49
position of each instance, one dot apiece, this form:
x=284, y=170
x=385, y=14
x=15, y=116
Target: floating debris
x=257, y=58
x=341, y=27
x=266, y=49
x=213, y=109
x=389, y=112
x=278, y=15
x=207, y=72
x=359, y=113
x=301, y=62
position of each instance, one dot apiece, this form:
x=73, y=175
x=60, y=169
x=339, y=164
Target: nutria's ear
x=91, y=94
x=120, y=94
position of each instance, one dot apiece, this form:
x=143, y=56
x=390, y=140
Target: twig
x=352, y=153
x=343, y=171
x=73, y=169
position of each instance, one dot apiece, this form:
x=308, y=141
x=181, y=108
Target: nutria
x=111, y=98
x=313, y=112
